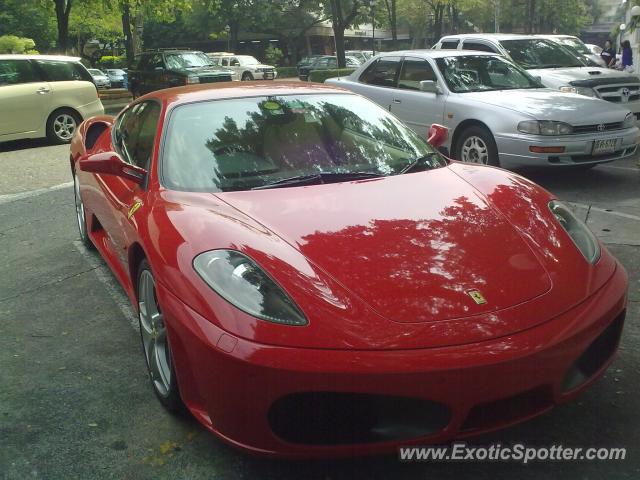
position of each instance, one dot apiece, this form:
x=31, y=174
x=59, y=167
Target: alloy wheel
x=64, y=126
x=475, y=150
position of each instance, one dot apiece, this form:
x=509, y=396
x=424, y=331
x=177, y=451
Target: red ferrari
x=314, y=279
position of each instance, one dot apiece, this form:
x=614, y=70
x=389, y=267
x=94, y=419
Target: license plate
x=268, y=76
x=604, y=146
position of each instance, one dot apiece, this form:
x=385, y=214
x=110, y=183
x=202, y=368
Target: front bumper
x=238, y=389
x=272, y=75
x=515, y=149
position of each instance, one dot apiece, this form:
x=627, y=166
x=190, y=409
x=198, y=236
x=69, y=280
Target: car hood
x=556, y=77
x=547, y=104
x=207, y=71
x=423, y=247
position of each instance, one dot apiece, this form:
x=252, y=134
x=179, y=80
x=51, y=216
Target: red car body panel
x=381, y=269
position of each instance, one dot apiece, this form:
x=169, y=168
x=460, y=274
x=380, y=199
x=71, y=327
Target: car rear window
x=61, y=71
x=449, y=44
x=13, y=72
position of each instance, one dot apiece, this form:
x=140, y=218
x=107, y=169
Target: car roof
x=227, y=90
x=435, y=53
x=15, y=56
x=488, y=36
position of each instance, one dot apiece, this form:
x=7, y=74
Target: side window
x=225, y=62
x=136, y=133
x=156, y=61
x=449, y=44
x=332, y=63
x=415, y=70
x=13, y=72
x=59, y=71
x=478, y=46
x=235, y=62
x=382, y=73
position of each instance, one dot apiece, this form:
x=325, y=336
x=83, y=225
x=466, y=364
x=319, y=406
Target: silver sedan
x=497, y=114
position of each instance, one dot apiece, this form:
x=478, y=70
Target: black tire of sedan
x=155, y=342
x=81, y=216
x=477, y=145
x=247, y=76
x=61, y=125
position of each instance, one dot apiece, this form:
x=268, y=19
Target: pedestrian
x=627, y=56
x=608, y=54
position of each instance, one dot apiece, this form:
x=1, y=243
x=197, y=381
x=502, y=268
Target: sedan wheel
x=80, y=214
x=476, y=145
x=155, y=342
x=62, y=125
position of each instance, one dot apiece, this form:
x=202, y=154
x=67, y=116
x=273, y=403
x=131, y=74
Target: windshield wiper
x=417, y=162
x=318, y=178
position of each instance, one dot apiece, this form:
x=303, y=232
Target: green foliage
x=15, y=44
x=110, y=61
x=29, y=18
x=272, y=55
x=320, y=76
x=287, y=72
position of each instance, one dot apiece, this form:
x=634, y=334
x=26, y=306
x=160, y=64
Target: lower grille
x=216, y=78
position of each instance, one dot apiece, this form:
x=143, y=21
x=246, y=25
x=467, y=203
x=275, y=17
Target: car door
x=24, y=97
x=418, y=109
x=134, y=139
x=379, y=80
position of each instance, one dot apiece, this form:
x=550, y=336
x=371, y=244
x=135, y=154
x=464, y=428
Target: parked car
x=496, y=112
x=99, y=78
x=556, y=68
x=45, y=95
x=158, y=69
x=245, y=67
x=306, y=61
x=313, y=279
x=326, y=62
x=578, y=46
x=594, y=49
x=360, y=55
x=116, y=77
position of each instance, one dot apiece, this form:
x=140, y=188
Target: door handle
x=43, y=90
x=395, y=100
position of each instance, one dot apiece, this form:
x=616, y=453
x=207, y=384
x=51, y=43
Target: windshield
x=481, y=73
x=539, y=53
x=247, y=60
x=240, y=144
x=115, y=71
x=95, y=71
x=576, y=43
x=177, y=61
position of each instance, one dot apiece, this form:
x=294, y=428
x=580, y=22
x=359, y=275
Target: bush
x=13, y=44
x=321, y=75
x=272, y=55
x=287, y=72
x=110, y=61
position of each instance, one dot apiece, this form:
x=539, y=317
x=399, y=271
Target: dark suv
x=158, y=69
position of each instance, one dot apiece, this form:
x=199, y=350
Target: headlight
x=192, y=79
x=586, y=91
x=583, y=238
x=545, y=127
x=237, y=279
x=629, y=121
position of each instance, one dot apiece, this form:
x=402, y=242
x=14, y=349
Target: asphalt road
x=75, y=402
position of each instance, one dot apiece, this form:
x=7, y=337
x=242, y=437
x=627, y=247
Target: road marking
x=606, y=210
x=12, y=197
x=113, y=287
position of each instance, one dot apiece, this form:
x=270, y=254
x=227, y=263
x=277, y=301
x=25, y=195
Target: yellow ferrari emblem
x=477, y=296
x=134, y=208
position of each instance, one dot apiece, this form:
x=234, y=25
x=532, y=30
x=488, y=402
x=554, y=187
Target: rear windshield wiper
x=318, y=178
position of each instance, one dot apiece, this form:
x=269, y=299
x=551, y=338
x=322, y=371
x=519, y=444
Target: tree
x=30, y=19
x=392, y=12
x=97, y=20
x=343, y=13
x=63, y=10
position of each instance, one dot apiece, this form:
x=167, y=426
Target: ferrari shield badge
x=134, y=208
x=477, y=296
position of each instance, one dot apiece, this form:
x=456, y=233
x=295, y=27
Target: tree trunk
x=63, y=8
x=126, y=30
x=393, y=21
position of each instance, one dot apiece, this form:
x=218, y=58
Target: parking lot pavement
x=75, y=402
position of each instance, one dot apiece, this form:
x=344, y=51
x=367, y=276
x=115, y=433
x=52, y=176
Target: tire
x=476, y=145
x=155, y=342
x=81, y=214
x=61, y=125
x=246, y=76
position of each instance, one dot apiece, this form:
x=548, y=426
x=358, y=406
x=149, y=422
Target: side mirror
x=437, y=135
x=430, y=86
x=538, y=79
x=111, y=164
